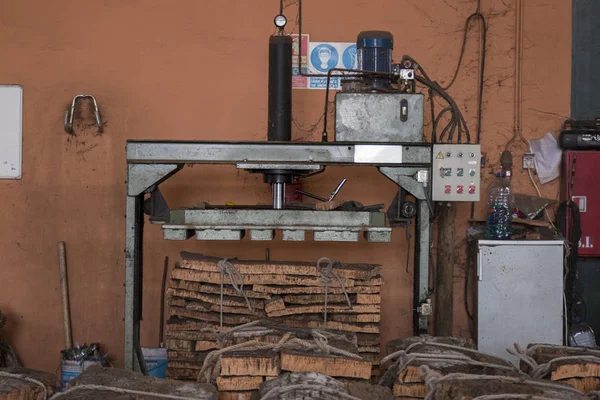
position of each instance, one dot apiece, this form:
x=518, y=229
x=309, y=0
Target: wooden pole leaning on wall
x=444, y=284
x=64, y=287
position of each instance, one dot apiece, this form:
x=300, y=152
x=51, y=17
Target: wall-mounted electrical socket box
x=11, y=123
x=529, y=161
x=456, y=172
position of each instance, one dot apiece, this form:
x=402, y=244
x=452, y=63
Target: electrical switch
x=460, y=189
x=447, y=189
x=471, y=189
x=460, y=172
x=448, y=154
x=448, y=171
x=472, y=172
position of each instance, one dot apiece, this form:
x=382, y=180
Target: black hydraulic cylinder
x=280, y=89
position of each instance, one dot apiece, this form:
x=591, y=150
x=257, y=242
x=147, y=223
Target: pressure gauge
x=280, y=21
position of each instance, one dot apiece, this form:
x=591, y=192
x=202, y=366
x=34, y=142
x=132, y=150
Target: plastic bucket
x=71, y=369
x=156, y=361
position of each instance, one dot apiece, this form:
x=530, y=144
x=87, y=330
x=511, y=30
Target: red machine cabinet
x=581, y=179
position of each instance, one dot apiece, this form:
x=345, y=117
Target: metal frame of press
x=150, y=163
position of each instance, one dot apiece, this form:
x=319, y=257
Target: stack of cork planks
x=578, y=367
x=111, y=383
x=444, y=356
x=244, y=369
x=18, y=384
x=290, y=293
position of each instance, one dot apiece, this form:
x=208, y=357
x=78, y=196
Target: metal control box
x=456, y=172
x=379, y=117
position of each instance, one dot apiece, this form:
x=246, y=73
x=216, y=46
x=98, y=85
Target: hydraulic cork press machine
x=378, y=124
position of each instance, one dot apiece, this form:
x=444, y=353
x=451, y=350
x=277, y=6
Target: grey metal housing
x=377, y=117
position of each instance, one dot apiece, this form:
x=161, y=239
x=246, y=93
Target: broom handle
x=64, y=286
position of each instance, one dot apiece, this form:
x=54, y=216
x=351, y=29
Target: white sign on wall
x=324, y=56
x=319, y=58
x=11, y=131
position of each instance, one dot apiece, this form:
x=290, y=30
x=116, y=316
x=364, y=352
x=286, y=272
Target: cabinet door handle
x=479, y=266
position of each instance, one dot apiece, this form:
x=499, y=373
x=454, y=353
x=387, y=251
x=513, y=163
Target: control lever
x=331, y=196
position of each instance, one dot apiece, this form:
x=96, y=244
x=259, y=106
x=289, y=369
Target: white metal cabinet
x=519, y=294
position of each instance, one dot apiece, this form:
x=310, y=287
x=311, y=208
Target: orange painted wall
x=197, y=69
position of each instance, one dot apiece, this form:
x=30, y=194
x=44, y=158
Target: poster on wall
x=299, y=49
x=320, y=58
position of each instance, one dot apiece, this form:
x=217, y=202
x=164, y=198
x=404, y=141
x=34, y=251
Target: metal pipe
x=64, y=286
x=163, y=288
x=278, y=196
x=280, y=89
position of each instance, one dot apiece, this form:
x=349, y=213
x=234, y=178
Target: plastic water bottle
x=499, y=209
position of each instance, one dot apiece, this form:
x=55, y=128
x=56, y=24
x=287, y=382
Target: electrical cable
x=468, y=267
x=569, y=226
x=320, y=171
x=436, y=120
x=432, y=108
x=537, y=189
x=441, y=92
x=300, y=72
x=518, y=112
x=472, y=17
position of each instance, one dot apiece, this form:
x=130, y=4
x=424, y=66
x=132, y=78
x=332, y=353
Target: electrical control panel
x=456, y=172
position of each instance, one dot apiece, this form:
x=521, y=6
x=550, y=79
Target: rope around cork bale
x=277, y=392
x=237, y=281
x=212, y=364
x=326, y=273
x=121, y=391
x=425, y=341
x=403, y=359
x=433, y=378
x=26, y=379
x=513, y=396
x=539, y=371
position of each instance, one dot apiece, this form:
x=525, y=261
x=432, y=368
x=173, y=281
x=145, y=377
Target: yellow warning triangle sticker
x=440, y=156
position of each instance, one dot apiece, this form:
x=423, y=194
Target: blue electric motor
x=374, y=51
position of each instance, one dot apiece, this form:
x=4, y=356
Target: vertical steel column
x=133, y=278
x=421, y=269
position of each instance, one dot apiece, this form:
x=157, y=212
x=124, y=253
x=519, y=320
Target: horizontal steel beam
x=194, y=152
x=277, y=218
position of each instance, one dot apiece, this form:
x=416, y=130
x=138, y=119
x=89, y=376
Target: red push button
x=460, y=189
x=447, y=189
x=472, y=189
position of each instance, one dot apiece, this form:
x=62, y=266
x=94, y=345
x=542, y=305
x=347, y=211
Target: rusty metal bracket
x=69, y=114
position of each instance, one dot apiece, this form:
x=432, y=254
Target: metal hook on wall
x=69, y=114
